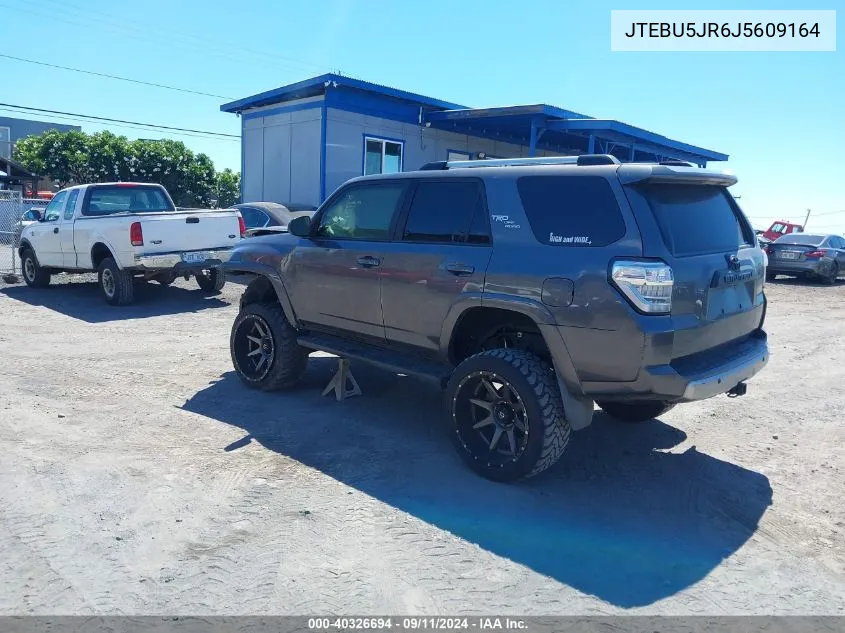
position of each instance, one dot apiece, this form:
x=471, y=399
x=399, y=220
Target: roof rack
x=584, y=159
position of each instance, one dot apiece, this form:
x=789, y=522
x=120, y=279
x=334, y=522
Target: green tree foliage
x=228, y=188
x=79, y=158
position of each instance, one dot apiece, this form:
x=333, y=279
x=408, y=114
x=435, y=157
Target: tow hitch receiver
x=737, y=391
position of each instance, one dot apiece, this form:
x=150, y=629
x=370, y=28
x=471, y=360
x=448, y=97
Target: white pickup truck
x=126, y=231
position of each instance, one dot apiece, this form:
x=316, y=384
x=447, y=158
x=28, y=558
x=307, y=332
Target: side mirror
x=37, y=213
x=301, y=226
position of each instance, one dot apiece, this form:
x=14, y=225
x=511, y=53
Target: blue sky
x=780, y=116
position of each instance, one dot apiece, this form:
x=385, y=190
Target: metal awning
x=545, y=127
x=13, y=173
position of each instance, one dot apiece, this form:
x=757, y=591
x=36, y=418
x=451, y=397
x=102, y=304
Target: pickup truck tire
x=117, y=286
x=212, y=280
x=264, y=350
x=33, y=274
x=635, y=411
x=512, y=431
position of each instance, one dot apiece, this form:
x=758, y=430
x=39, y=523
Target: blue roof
x=317, y=86
x=559, y=128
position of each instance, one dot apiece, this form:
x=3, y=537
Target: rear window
x=696, y=219
x=571, y=210
x=801, y=238
x=116, y=199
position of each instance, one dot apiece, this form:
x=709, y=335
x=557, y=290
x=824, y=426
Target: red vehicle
x=779, y=228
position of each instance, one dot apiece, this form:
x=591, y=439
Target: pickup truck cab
x=127, y=231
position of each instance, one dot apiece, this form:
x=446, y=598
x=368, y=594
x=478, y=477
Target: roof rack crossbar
x=584, y=159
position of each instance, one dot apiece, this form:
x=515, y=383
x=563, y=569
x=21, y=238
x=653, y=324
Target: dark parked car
x=263, y=218
x=529, y=289
x=807, y=255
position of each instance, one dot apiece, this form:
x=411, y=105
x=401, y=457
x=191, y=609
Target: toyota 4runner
x=530, y=289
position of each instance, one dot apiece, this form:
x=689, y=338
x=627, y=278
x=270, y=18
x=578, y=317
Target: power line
x=131, y=127
x=108, y=120
x=96, y=74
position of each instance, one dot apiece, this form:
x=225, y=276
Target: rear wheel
x=211, y=280
x=506, y=416
x=33, y=274
x=264, y=350
x=831, y=276
x=635, y=411
x=770, y=276
x=117, y=286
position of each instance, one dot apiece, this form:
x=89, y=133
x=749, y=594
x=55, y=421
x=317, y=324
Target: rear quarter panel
x=597, y=327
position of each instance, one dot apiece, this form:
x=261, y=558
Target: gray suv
x=529, y=289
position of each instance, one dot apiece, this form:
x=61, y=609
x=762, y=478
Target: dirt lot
x=137, y=476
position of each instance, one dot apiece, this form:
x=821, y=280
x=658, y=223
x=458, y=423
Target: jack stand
x=341, y=382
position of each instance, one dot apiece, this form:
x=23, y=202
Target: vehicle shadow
x=84, y=301
x=803, y=281
x=615, y=518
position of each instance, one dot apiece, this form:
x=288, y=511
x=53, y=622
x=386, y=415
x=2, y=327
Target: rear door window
x=697, y=219
x=446, y=211
x=571, y=210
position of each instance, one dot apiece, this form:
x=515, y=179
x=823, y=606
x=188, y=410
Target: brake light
x=647, y=285
x=136, y=234
x=242, y=225
x=815, y=253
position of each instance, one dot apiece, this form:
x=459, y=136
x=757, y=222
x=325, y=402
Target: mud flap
x=578, y=411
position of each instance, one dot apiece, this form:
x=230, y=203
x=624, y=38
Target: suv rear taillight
x=136, y=234
x=242, y=225
x=647, y=285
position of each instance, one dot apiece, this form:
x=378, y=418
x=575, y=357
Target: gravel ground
x=137, y=476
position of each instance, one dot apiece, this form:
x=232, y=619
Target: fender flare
x=269, y=273
x=101, y=240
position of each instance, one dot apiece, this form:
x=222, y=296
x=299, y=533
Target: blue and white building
x=302, y=141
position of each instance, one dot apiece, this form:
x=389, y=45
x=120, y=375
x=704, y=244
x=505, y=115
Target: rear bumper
x=695, y=377
x=215, y=258
x=786, y=267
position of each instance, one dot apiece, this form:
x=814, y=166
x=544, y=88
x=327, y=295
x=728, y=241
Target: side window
x=778, y=228
x=837, y=242
x=443, y=211
x=54, y=209
x=253, y=218
x=71, y=204
x=362, y=212
x=571, y=210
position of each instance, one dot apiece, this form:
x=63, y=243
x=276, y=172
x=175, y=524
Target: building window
x=382, y=156
x=456, y=155
x=5, y=142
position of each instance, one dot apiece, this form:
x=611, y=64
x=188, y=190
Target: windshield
x=801, y=238
x=127, y=199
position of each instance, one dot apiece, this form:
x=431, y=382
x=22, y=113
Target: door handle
x=368, y=261
x=460, y=269
x=56, y=230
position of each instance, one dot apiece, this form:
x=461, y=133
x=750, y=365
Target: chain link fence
x=11, y=209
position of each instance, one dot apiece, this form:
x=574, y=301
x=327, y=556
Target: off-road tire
x=536, y=385
x=212, y=281
x=635, y=411
x=33, y=274
x=289, y=360
x=122, y=284
x=830, y=278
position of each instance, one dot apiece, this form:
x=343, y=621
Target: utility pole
x=806, y=219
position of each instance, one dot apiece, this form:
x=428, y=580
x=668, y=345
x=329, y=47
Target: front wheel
x=264, y=350
x=211, y=280
x=117, y=286
x=506, y=415
x=33, y=274
x=635, y=411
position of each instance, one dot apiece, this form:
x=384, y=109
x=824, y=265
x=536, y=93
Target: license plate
x=787, y=255
x=195, y=258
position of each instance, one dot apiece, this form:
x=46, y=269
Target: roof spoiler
x=631, y=173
